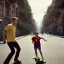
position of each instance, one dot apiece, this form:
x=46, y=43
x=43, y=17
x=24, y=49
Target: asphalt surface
x=53, y=50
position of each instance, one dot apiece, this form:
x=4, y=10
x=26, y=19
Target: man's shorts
x=36, y=47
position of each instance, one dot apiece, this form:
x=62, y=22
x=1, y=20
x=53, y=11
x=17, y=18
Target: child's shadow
x=40, y=62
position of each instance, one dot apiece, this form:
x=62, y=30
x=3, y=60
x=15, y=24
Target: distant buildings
x=53, y=22
x=19, y=8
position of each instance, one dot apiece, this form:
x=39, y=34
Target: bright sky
x=38, y=8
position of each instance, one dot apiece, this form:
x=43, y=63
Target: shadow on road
x=40, y=62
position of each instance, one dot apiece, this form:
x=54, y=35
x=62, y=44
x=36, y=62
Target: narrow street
x=53, y=50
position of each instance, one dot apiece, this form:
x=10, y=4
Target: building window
x=7, y=9
x=62, y=19
x=1, y=11
x=1, y=6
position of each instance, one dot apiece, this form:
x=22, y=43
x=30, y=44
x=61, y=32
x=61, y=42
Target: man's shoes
x=17, y=61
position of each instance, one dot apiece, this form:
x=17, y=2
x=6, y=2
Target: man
x=37, y=45
x=9, y=33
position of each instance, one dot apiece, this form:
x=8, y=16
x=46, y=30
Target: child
x=37, y=45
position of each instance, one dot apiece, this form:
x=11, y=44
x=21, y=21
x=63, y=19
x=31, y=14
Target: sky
x=39, y=8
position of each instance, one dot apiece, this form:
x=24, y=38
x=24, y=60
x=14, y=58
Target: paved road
x=53, y=50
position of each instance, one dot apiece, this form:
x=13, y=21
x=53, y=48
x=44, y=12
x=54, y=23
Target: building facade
x=20, y=9
x=53, y=22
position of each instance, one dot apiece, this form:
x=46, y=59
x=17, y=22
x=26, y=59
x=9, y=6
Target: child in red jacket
x=37, y=45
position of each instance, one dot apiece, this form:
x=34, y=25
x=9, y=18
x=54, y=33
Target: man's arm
x=4, y=36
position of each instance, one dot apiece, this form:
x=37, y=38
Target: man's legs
x=18, y=51
x=10, y=44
